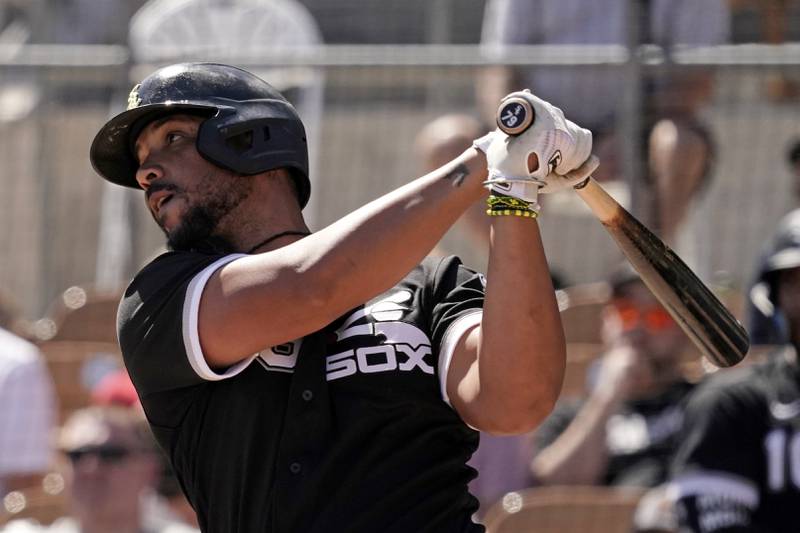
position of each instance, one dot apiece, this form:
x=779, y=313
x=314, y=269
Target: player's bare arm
x=506, y=373
x=281, y=295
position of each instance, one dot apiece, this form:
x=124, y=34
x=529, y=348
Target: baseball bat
x=707, y=322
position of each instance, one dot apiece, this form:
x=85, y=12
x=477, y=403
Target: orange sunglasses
x=654, y=318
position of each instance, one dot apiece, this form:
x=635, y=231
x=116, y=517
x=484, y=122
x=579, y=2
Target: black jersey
x=641, y=436
x=347, y=429
x=739, y=466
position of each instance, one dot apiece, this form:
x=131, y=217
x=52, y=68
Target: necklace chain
x=277, y=236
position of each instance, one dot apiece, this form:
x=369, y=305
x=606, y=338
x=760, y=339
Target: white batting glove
x=525, y=189
x=556, y=182
x=560, y=145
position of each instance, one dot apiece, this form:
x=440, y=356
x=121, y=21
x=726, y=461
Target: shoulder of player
x=167, y=273
x=168, y=270
x=169, y=261
x=730, y=389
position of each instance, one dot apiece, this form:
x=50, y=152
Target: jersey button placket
x=307, y=395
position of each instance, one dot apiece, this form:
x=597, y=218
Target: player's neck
x=278, y=240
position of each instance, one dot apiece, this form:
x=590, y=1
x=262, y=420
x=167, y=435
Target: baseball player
x=738, y=469
x=329, y=381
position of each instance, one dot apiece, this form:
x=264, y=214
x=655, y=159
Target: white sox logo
x=390, y=345
x=281, y=358
x=133, y=98
x=403, y=347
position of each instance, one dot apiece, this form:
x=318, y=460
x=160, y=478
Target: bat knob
x=514, y=115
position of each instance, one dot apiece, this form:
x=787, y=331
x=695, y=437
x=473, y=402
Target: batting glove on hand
x=556, y=182
x=560, y=146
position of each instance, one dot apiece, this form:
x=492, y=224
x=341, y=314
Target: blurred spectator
x=776, y=23
x=625, y=432
x=115, y=388
x=15, y=22
x=765, y=325
x=27, y=413
x=677, y=146
x=738, y=467
x=176, y=506
x=111, y=469
x=84, y=22
x=392, y=22
x=18, y=91
x=87, y=21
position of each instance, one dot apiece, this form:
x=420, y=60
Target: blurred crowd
x=702, y=449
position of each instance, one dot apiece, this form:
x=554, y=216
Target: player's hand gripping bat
x=707, y=322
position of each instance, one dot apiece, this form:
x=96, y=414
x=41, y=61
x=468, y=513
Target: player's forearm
x=392, y=234
x=278, y=296
x=579, y=455
x=521, y=354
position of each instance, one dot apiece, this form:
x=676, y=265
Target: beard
x=196, y=233
x=199, y=229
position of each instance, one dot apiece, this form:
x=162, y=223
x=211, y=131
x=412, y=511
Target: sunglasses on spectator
x=106, y=454
x=654, y=318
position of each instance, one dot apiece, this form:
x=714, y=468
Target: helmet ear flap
x=245, y=139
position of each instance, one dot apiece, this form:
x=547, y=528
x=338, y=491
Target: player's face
x=189, y=197
x=107, y=473
x=638, y=319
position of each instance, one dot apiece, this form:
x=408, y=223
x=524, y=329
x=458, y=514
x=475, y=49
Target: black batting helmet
x=783, y=253
x=251, y=127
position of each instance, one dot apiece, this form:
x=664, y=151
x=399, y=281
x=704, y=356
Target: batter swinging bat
x=708, y=323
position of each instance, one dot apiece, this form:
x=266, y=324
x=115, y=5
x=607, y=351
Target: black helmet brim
x=111, y=155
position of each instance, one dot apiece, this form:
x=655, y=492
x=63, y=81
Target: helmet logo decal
x=133, y=97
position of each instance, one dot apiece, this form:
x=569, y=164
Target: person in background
x=770, y=22
x=764, y=323
x=116, y=389
x=110, y=467
x=27, y=408
x=738, y=467
x=624, y=433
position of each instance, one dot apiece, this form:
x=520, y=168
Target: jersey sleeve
x=713, y=482
x=157, y=323
x=457, y=306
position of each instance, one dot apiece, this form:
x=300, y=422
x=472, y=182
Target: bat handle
x=602, y=204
